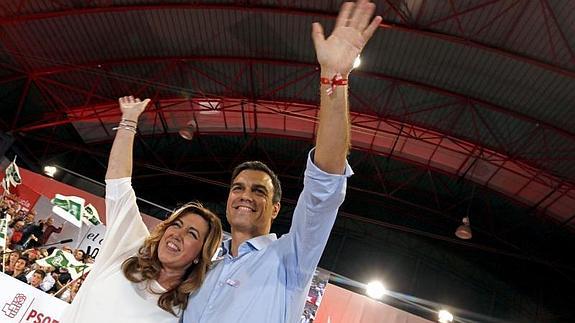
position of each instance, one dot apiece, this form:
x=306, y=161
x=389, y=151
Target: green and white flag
x=79, y=270
x=70, y=208
x=13, y=173
x=90, y=215
x=12, y=176
x=4, y=231
x=64, y=259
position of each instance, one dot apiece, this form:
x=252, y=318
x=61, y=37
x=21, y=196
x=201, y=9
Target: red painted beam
x=526, y=173
x=246, y=60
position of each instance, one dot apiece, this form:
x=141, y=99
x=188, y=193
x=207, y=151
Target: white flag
x=90, y=215
x=11, y=176
x=70, y=208
x=64, y=259
x=4, y=231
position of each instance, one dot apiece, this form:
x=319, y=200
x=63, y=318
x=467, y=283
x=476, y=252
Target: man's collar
x=256, y=243
x=261, y=242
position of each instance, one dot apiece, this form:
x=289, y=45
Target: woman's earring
x=196, y=261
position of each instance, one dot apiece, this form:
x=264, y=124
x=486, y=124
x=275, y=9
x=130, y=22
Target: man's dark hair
x=259, y=166
x=41, y=273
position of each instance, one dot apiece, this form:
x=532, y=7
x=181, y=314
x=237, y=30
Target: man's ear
x=276, y=207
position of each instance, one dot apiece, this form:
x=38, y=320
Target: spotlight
x=50, y=170
x=464, y=230
x=187, y=132
x=443, y=316
x=375, y=290
x=357, y=62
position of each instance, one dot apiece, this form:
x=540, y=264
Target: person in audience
x=29, y=217
x=12, y=258
x=79, y=255
x=9, y=211
x=37, y=278
x=19, y=271
x=15, y=234
x=61, y=278
x=47, y=282
x=31, y=234
x=140, y=276
x=49, y=229
x=67, y=294
x=4, y=208
x=32, y=254
x=42, y=253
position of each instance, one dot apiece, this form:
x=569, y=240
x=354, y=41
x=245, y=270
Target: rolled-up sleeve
x=324, y=191
x=313, y=219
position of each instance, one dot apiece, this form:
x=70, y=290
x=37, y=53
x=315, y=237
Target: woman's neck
x=168, y=278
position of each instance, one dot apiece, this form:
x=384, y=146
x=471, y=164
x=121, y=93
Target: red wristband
x=337, y=80
x=326, y=81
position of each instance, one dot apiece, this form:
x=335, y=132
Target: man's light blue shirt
x=269, y=279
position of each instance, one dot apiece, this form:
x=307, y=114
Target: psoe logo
x=11, y=309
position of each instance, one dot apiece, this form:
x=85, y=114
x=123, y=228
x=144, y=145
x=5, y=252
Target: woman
x=12, y=258
x=67, y=294
x=140, y=276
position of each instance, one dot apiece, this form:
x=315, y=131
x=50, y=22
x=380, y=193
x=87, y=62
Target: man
x=262, y=278
x=47, y=282
x=49, y=229
x=31, y=234
x=37, y=278
x=15, y=234
x=61, y=277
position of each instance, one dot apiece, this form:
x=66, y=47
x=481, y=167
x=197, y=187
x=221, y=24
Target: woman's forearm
x=120, y=161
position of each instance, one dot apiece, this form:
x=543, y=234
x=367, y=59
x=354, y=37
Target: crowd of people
x=24, y=246
x=24, y=231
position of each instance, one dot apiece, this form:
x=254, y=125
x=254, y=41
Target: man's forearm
x=333, y=134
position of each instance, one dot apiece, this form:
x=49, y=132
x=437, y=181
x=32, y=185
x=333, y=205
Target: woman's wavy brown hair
x=146, y=264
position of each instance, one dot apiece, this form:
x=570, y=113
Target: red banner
x=342, y=306
x=27, y=197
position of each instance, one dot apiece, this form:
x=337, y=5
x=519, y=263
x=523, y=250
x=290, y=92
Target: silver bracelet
x=125, y=127
x=128, y=120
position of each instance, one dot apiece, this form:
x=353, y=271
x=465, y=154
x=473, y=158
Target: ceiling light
x=464, y=230
x=187, y=132
x=50, y=170
x=444, y=316
x=357, y=62
x=375, y=290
